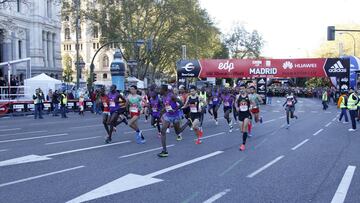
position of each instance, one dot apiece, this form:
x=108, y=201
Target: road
x=66, y=160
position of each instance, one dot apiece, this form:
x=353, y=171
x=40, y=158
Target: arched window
x=104, y=76
x=105, y=62
x=67, y=33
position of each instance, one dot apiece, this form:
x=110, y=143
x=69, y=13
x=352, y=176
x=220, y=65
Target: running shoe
x=296, y=117
x=114, y=129
x=108, y=140
x=242, y=147
x=179, y=138
x=191, y=129
x=345, y=122
x=163, y=154
x=216, y=122
x=138, y=137
x=198, y=141
x=231, y=129
x=288, y=126
x=250, y=135
x=352, y=130
x=168, y=131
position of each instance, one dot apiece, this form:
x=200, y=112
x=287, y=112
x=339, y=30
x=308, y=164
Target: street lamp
x=353, y=38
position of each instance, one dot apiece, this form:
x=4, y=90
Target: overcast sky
x=291, y=28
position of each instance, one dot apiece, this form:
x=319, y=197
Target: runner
x=214, y=104
x=290, y=108
x=193, y=101
x=228, y=101
x=106, y=113
x=134, y=104
x=115, y=111
x=155, y=109
x=255, y=100
x=145, y=105
x=243, y=108
x=171, y=116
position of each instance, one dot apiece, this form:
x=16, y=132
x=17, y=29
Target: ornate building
x=89, y=43
x=31, y=29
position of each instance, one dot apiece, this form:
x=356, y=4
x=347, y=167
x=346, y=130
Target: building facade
x=31, y=29
x=89, y=43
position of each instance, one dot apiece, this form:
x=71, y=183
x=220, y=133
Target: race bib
x=244, y=107
x=215, y=99
x=226, y=104
x=134, y=109
x=168, y=108
x=112, y=104
x=193, y=109
x=154, y=109
x=289, y=103
x=105, y=104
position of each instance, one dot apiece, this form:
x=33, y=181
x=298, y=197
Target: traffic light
x=94, y=77
x=331, y=33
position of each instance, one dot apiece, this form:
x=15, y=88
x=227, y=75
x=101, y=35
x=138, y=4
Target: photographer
x=38, y=98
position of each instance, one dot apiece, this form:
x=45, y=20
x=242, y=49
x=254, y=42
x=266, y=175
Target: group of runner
x=181, y=108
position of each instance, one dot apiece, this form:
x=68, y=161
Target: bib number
x=105, y=105
x=154, y=109
x=215, y=99
x=193, y=109
x=244, y=107
x=168, y=108
x=134, y=109
x=289, y=103
x=226, y=104
x=112, y=104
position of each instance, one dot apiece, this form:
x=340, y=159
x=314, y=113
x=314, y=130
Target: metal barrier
x=12, y=92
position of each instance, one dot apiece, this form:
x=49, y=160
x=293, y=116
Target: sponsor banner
x=238, y=68
x=261, y=88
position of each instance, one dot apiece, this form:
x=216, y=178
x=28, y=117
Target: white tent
x=40, y=81
x=139, y=83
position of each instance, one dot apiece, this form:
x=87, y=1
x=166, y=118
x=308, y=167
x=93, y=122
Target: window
x=98, y=45
x=67, y=33
x=81, y=47
x=94, y=45
x=64, y=47
x=49, y=9
x=67, y=18
x=70, y=47
x=105, y=62
x=20, y=48
x=79, y=32
x=104, y=76
x=96, y=32
x=18, y=2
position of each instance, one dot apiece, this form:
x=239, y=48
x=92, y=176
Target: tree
x=222, y=53
x=318, y=82
x=67, y=68
x=243, y=44
x=170, y=24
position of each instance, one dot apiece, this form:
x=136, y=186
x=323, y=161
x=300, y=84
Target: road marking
x=334, y=119
x=3, y=150
x=209, y=136
x=319, y=131
x=25, y=133
x=133, y=181
x=269, y=121
x=344, y=185
x=36, y=158
x=149, y=129
x=301, y=111
x=327, y=125
x=7, y=117
x=262, y=142
x=300, y=144
x=9, y=129
x=276, y=111
x=314, y=111
x=265, y=167
x=33, y=138
x=327, y=111
x=217, y=196
x=143, y=152
x=40, y=176
x=282, y=117
x=87, y=148
x=188, y=200
x=232, y=166
x=86, y=126
x=74, y=140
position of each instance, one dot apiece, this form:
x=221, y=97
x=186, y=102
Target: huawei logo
x=287, y=65
x=189, y=67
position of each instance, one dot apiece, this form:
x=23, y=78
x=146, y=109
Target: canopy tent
x=42, y=81
x=139, y=83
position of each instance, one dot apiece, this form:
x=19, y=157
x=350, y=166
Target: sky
x=290, y=28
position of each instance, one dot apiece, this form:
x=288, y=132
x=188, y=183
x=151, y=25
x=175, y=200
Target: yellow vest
x=64, y=99
x=342, y=104
x=352, y=103
x=324, y=96
x=203, y=97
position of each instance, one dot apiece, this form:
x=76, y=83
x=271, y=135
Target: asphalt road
x=61, y=160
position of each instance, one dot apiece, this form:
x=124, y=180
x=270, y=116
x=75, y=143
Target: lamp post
x=353, y=38
x=78, y=71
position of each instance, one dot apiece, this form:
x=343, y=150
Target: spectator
x=269, y=96
x=63, y=104
x=55, y=103
x=38, y=98
x=49, y=99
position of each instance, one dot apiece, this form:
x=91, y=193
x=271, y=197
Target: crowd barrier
x=27, y=107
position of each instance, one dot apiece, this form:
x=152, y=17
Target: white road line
x=327, y=125
x=9, y=129
x=314, y=111
x=262, y=142
x=344, y=185
x=40, y=176
x=301, y=111
x=7, y=117
x=269, y=121
x=282, y=117
x=87, y=148
x=232, y=166
x=171, y=168
x=206, y=137
x=25, y=133
x=265, y=167
x=143, y=152
x=74, y=140
x=319, y=131
x=327, y=111
x=275, y=111
x=334, y=119
x=149, y=129
x=33, y=138
x=300, y=144
x=86, y=126
x=217, y=196
x=3, y=150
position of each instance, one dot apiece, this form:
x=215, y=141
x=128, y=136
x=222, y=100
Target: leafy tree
x=318, y=82
x=244, y=44
x=67, y=68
